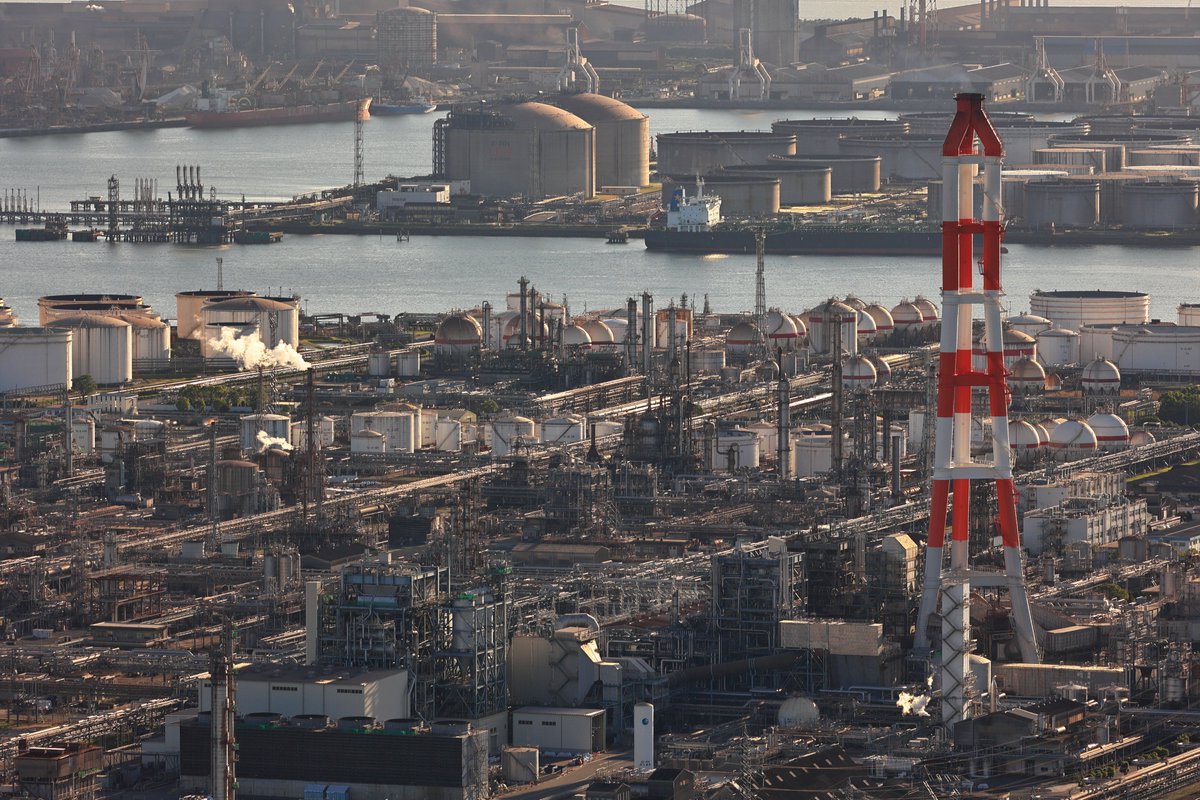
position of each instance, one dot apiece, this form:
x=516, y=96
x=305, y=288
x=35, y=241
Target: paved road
x=573, y=779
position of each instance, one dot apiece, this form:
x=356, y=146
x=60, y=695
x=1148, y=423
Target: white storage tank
x=884, y=323
x=83, y=435
x=1072, y=439
x=574, y=337
x=1095, y=341
x=408, y=364
x=277, y=318
x=1062, y=204
x=643, y=737
x=274, y=427
x=457, y=336
x=929, y=311
x=368, y=442
x=325, y=429
x=32, y=357
x=189, y=321
x=398, y=426
x=1029, y=324
x=1157, y=348
x=736, y=449
x=1027, y=377
x=1160, y=205
x=564, y=430
x=858, y=374
x=906, y=316
x=447, y=435
x=866, y=327
x=707, y=360
x=824, y=319
x=1189, y=314
x=101, y=347
x=812, y=451
x=617, y=326
x=600, y=333
x=780, y=330
x=1017, y=346
x=742, y=338
x=1057, y=347
x=1111, y=431
x=507, y=431
x=1074, y=308
x=1023, y=439
x=379, y=365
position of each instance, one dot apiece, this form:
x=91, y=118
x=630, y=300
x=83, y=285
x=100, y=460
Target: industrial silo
x=101, y=347
x=529, y=149
x=622, y=138
x=908, y=157
x=1074, y=309
x=847, y=174
x=741, y=195
x=32, y=357
x=1060, y=203
x=1160, y=205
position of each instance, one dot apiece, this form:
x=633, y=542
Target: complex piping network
x=954, y=470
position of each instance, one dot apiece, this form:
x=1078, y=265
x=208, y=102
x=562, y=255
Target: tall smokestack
x=647, y=332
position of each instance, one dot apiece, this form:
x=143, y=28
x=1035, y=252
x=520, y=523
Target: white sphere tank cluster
x=101, y=346
x=1024, y=440
x=1072, y=438
x=882, y=317
x=600, y=333
x=575, y=337
x=31, y=357
x=742, y=338
x=782, y=331
x=906, y=316
x=1111, y=431
x=1076, y=308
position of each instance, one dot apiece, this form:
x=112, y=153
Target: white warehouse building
x=381, y=694
x=1090, y=520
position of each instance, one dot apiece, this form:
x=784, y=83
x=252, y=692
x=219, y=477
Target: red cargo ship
x=233, y=117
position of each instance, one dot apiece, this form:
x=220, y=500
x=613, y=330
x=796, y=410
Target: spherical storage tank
x=799, y=184
x=101, y=347
x=884, y=324
x=1023, y=438
x=741, y=338
x=1058, y=346
x=798, y=712
x=741, y=195
x=1017, y=346
x=1062, y=204
x=458, y=335
x=32, y=357
x=1071, y=436
x=1111, y=431
x=1075, y=308
x=847, y=174
x=529, y=149
x=277, y=318
x=703, y=152
x=1160, y=205
x=599, y=332
x=1100, y=376
x=780, y=330
x=622, y=138
x=574, y=336
x=858, y=373
x=823, y=137
x=906, y=316
x=866, y=327
x=1027, y=376
x=189, y=321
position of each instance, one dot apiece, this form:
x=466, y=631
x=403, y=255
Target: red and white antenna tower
x=954, y=470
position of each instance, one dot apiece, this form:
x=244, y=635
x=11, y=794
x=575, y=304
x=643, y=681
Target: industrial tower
x=953, y=468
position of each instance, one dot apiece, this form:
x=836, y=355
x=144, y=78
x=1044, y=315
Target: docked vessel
x=228, y=110
x=417, y=105
x=694, y=226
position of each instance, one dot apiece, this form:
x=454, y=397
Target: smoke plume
x=250, y=352
x=266, y=441
x=913, y=705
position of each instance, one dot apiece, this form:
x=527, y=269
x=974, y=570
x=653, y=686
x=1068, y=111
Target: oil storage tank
x=31, y=357
x=741, y=195
x=1023, y=137
x=151, y=337
x=622, y=138
x=847, y=174
x=907, y=157
x=1093, y=157
x=1117, y=144
x=189, y=322
x=1161, y=348
x=823, y=137
x=1075, y=308
x=1062, y=204
x=1160, y=205
x=706, y=151
x=799, y=184
x=101, y=346
x=530, y=149
x=64, y=302
x=1165, y=155
x=277, y=318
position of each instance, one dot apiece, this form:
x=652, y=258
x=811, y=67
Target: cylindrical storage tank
x=799, y=184
x=1030, y=324
x=622, y=138
x=707, y=360
x=1062, y=204
x=236, y=478
x=903, y=158
x=676, y=29
x=742, y=338
x=1058, y=347
x=822, y=137
x=151, y=337
x=931, y=123
x=1157, y=348
x=324, y=433
x=1027, y=377
x=825, y=319
x=563, y=430
x=1023, y=137
x=273, y=427
x=780, y=330
x=368, y=442
x=707, y=151
x=83, y=435
x=101, y=347
x=812, y=451
x=458, y=335
x=1189, y=314
x=408, y=364
x=736, y=449
x=1117, y=145
x=1160, y=205
x=643, y=737
x=883, y=370
x=31, y=357
x=854, y=302
x=64, y=302
x=1092, y=157
x=884, y=324
x=1111, y=431
x=847, y=174
x=672, y=321
x=1112, y=190
x=858, y=374
x=507, y=431
x=447, y=435
x=188, y=305
x=1075, y=308
x=400, y=428
x=1095, y=341
x=741, y=195
x=379, y=365
x=1167, y=155
x=278, y=319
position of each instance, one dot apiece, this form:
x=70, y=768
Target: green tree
x=84, y=385
x=183, y=404
x=1181, y=406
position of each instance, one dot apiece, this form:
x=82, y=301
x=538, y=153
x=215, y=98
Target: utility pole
x=214, y=521
x=760, y=283
x=223, y=745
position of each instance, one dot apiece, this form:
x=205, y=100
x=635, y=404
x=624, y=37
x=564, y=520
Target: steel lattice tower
x=954, y=470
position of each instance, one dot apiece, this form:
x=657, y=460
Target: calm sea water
x=355, y=274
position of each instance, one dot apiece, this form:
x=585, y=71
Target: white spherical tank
x=1058, y=347
x=929, y=311
x=884, y=323
x=458, y=335
x=600, y=333
x=741, y=338
x=1022, y=436
x=825, y=319
x=798, y=712
x=1100, y=376
x=1071, y=438
x=736, y=449
x=563, y=430
x=1017, y=346
x=883, y=370
x=101, y=347
x=1030, y=324
x=189, y=321
x=858, y=374
x=32, y=357
x=780, y=330
x=1141, y=438
x=618, y=328
x=1111, y=431
x=1073, y=309
x=1027, y=377
x=575, y=337
x=259, y=431
x=906, y=316
x=508, y=431
x=866, y=327
x=854, y=302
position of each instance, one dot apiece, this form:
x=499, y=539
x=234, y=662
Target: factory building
x=532, y=150
x=1091, y=521
x=303, y=691
x=406, y=39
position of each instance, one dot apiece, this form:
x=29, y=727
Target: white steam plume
x=913, y=705
x=250, y=352
x=266, y=441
